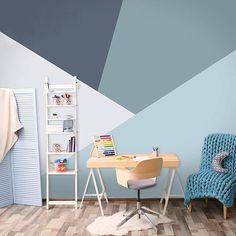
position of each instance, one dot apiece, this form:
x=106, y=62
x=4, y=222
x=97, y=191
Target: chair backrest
x=147, y=169
x=216, y=143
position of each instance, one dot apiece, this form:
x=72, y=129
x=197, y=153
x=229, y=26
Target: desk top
x=169, y=161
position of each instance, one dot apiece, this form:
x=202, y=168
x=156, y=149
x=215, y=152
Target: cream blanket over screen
x=9, y=122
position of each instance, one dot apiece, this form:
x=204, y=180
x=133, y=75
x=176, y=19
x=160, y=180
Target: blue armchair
x=209, y=183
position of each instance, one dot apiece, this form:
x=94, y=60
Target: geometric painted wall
x=177, y=123
x=166, y=67
x=143, y=48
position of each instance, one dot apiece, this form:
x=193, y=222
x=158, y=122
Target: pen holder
x=155, y=153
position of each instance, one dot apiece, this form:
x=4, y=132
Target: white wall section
x=22, y=68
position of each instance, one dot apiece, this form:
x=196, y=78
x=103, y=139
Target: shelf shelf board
x=61, y=153
x=52, y=119
x=68, y=133
x=67, y=172
x=65, y=202
x=61, y=105
x=60, y=91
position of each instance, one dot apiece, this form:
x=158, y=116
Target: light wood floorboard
x=205, y=220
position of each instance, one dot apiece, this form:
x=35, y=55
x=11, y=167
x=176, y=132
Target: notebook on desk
x=141, y=158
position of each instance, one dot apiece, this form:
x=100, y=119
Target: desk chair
x=143, y=176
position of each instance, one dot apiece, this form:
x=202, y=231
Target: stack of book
x=71, y=144
x=55, y=128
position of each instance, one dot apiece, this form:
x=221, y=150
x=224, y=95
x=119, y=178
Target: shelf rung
x=61, y=105
x=51, y=119
x=62, y=173
x=61, y=86
x=52, y=91
x=62, y=202
x=68, y=133
x=61, y=153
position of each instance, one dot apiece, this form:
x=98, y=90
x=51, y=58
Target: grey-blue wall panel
x=75, y=35
x=160, y=44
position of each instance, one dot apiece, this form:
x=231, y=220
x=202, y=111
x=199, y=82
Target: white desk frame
x=172, y=173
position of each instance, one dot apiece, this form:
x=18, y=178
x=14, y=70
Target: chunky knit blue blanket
x=209, y=183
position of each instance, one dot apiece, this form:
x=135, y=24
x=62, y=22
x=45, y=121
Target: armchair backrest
x=216, y=143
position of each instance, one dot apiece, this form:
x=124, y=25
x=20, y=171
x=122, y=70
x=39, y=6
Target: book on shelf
x=71, y=144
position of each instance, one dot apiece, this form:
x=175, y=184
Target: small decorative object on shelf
x=60, y=165
x=68, y=126
x=56, y=100
x=66, y=98
x=56, y=147
x=54, y=116
x=155, y=151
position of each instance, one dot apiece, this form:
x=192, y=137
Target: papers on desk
x=141, y=158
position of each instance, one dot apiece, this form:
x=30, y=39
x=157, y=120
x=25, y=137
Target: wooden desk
x=170, y=161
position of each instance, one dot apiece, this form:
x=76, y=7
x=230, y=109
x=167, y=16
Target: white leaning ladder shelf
x=51, y=90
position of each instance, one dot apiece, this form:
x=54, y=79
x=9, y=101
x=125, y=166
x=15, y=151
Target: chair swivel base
x=140, y=210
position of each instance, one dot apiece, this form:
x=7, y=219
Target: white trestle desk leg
x=97, y=193
x=103, y=186
x=166, y=185
x=180, y=183
x=86, y=187
x=172, y=175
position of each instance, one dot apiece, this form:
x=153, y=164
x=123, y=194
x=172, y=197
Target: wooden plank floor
x=28, y=220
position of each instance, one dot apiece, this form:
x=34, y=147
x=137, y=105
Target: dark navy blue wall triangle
x=75, y=35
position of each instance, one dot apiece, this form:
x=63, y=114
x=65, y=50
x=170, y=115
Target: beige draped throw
x=9, y=122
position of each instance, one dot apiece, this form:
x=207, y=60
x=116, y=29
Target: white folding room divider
x=20, y=171
x=6, y=194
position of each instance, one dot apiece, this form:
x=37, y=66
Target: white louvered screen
x=6, y=195
x=25, y=153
